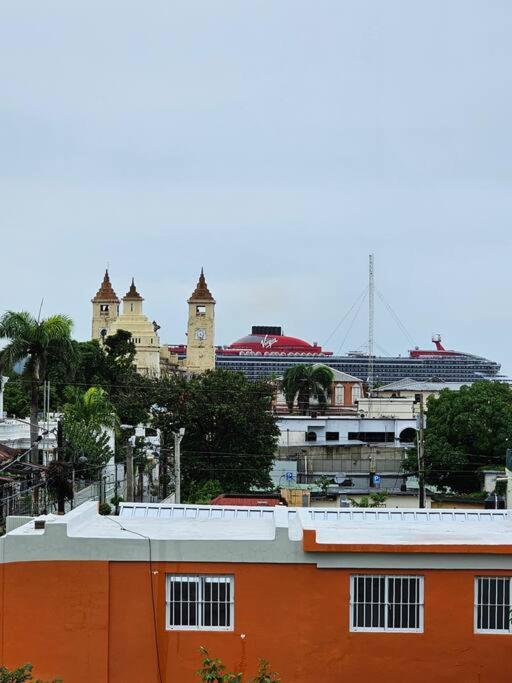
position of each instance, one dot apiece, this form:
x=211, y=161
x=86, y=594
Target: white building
x=333, y=430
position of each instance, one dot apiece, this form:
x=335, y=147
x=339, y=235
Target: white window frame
x=339, y=394
x=386, y=628
x=492, y=631
x=201, y=579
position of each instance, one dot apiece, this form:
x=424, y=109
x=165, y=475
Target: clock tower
x=201, y=329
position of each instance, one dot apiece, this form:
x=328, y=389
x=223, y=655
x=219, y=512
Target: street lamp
x=178, y=436
x=129, y=465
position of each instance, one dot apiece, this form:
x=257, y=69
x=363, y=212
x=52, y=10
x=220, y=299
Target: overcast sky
x=275, y=143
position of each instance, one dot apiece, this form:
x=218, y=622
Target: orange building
x=325, y=595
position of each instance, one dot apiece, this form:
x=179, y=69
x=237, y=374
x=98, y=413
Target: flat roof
x=392, y=526
x=215, y=535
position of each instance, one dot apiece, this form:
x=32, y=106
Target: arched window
x=408, y=435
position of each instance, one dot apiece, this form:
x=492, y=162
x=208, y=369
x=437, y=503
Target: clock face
x=200, y=334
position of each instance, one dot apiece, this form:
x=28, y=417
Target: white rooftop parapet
x=421, y=516
x=281, y=516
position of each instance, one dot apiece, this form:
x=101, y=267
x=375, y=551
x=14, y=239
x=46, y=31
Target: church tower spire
x=105, y=308
x=201, y=328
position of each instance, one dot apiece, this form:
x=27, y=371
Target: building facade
x=105, y=309
x=325, y=595
x=343, y=396
x=342, y=430
x=200, y=351
x=107, y=319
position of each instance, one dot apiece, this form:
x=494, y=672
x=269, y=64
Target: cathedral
x=151, y=359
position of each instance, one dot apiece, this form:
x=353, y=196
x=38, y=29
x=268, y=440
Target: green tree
x=465, y=431
x=59, y=483
x=16, y=398
x=32, y=342
x=230, y=432
x=87, y=417
x=120, y=349
x=203, y=494
x=374, y=500
x=304, y=382
x=323, y=483
x=129, y=391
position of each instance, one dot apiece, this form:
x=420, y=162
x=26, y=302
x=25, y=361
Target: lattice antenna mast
x=371, y=323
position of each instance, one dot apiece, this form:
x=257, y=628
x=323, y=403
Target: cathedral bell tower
x=201, y=329
x=105, y=309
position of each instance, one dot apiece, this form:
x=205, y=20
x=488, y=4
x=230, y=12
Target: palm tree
x=92, y=407
x=87, y=417
x=303, y=382
x=31, y=343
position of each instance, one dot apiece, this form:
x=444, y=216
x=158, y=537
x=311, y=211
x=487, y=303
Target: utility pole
x=3, y=382
x=129, y=472
x=162, y=474
x=371, y=323
x=508, y=473
x=421, y=457
x=141, y=481
x=371, y=467
x=178, y=436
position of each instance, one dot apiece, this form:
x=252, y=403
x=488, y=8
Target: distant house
x=344, y=393
x=414, y=389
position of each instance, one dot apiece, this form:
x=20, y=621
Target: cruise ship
x=267, y=352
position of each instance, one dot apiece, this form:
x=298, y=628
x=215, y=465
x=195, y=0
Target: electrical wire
x=155, y=620
x=105, y=385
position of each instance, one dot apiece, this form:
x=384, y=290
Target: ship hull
x=446, y=368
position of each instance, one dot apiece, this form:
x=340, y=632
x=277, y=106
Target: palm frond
x=19, y=324
x=12, y=354
x=57, y=327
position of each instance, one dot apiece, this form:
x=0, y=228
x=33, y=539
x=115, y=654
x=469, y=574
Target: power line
x=155, y=622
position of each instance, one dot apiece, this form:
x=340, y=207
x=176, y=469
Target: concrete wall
x=347, y=459
x=398, y=408
x=293, y=429
x=105, y=622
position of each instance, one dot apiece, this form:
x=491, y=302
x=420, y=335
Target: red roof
x=132, y=293
x=201, y=292
x=249, y=500
x=105, y=292
x=274, y=343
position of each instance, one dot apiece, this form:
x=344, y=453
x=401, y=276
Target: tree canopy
x=230, y=432
x=304, y=382
x=31, y=344
x=465, y=431
x=87, y=417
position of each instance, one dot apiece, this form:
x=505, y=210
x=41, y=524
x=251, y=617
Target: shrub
x=264, y=675
x=214, y=671
x=104, y=509
x=20, y=675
